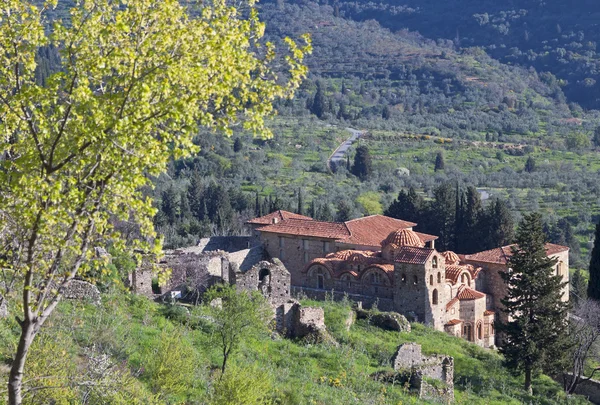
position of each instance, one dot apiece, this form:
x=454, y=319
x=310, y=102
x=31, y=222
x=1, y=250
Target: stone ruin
x=3, y=307
x=424, y=372
x=82, y=291
x=197, y=268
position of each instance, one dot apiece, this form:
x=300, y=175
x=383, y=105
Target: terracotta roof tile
x=467, y=293
x=412, y=255
x=388, y=268
x=425, y=237
x=403, y=237
x=453, y=322
x=488, y=312
x=371, y=230
x=451, y=303
x=280, y=215
x=502, y=254
x=308, y=227
x=453, y=272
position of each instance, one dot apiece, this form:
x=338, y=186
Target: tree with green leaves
x=498, y=223
x=236, y=316
x=441, y=217
x=469, y=229
x=343, y=213
x=136, y=80
x=362, y=167
x=319, y=105
x=534, y=327
x=407, y=206
x=530, y=165
x=300, y=208
x=596, y=137
x=238, y=145
x=578, y=288
x=439, y=162
x=593, y=290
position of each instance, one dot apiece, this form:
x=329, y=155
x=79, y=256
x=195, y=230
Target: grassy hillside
x=162, y=355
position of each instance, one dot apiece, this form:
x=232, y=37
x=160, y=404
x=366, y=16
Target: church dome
x=404, y=237
x=451, y=257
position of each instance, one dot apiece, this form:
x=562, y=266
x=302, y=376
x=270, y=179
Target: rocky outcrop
x=385, y=320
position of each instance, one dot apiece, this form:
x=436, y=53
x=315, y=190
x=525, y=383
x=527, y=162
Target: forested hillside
x=553, y=36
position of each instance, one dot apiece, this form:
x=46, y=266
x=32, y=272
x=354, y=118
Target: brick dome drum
x=403, y=237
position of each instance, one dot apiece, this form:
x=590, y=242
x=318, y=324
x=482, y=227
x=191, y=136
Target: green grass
x=135, y=332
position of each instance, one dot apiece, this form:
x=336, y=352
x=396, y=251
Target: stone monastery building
x=383, y=261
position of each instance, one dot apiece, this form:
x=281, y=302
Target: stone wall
x=83, y=291
x=437, y=367
x=270, y=278
x=3, y=307
x=366, y=300
x=226, y=243
x=589, y=389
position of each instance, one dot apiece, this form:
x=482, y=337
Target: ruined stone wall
x=3, y=307
x=411, y=293
x=368, y=301
x=407, y=356
x=83, y=291
x=141, y=282
x=589, y=389
x=270, y=278
x=226, y=243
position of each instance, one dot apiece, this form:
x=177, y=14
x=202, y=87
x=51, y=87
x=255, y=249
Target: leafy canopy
x=137, y=79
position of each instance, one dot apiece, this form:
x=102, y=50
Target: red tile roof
x=412, y=255
x=425, y=237
x=280, y=215
x=502, y=254
x=451, y=303
x=403, y=237
x=388, y=268
x=308, y=227
x=453, y=322
x=468, y=294
x=371, y=230
x=452, y=273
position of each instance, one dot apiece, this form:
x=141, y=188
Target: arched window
x=439, y=277
x=264, y=276
x=431, y=279
x=434, y=262
x=346, y=281
x=479, y=331
x=320, y=280
x=434, y=297
x=415, y=280
x=468, y=332
x=375, y=278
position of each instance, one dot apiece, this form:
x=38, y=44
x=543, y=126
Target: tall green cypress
x=533, y=330
x=470, y=232
x=300, y=208
x=578, y=288
x=593, y=290
x=362, y=163
x=407, y=206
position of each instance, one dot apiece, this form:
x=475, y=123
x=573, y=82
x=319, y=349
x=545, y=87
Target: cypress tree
x=169, y=205
x=300, y=208
x=499, y=225
x=530, y=165
x=343, y=212
x=442, y=216
x=593, y=290
x=439, y=162
x=362, y=163
x=319, y=105
x=470, y=232
x=194, y=195
x=578, y=288
x=534, y=336
x=237, y=145
x=257, y=210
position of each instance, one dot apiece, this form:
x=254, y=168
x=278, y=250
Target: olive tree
x=137, y=79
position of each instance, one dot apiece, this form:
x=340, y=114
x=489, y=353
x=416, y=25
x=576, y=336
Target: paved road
x=337, y=157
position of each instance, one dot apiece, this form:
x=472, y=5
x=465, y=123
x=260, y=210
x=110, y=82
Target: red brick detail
x=403, y=237
x=453, y=272
x=451, y=303
x=279, y=215
x=308, y=227
x=488, y=313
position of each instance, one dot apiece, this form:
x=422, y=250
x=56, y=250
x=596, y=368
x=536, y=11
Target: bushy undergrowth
x=128, y=352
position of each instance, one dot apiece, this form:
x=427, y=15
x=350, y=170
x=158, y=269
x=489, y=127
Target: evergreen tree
x=312, y=210
x=319, y=105
x=348, y=167
x=169, y=205
x=386, y=114
x=530, y=165
x=442, y=216
x=593, y=290
x=470, y=230
x=343, y=212
x=596, y=137
x=238, y=145
x=257, y=206
x=408, y=206
x=362, y=163
x=194, y=195
x=300, y=208
x=578, y=293
x=324, y=213
x=498, y=223
x=439, y=162
x=535, y=333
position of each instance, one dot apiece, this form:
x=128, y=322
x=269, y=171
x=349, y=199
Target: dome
x=342, y=254
x=451, y=257
x=404, y=237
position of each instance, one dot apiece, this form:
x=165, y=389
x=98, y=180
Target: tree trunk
x=528, y=386
x=15, y=379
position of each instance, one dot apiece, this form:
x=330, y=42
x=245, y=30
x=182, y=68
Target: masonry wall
x=270, y=278
x=295, y=254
